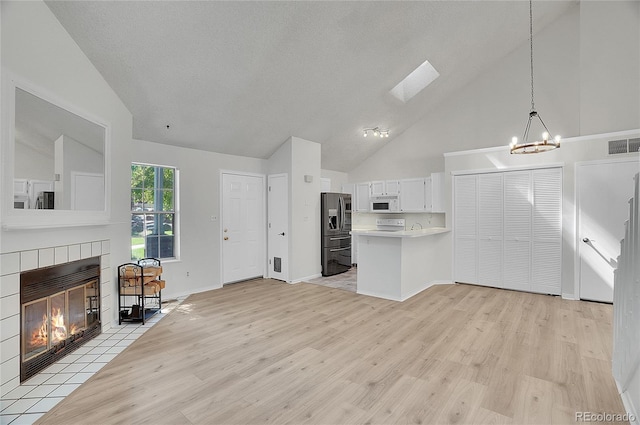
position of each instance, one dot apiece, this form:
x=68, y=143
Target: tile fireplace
x=60, y=311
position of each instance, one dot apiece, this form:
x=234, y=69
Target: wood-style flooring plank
x=263, y=351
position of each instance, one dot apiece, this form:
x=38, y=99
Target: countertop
x=401, y=233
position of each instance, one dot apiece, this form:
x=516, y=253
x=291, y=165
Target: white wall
x=298, y=157
x=584, y=148
x=199, y=202
x=37, y=49
x=305, y=210
x=75, y=156
x=34, y=161
x=609, y=66
x=338, y=178
x=586, y=82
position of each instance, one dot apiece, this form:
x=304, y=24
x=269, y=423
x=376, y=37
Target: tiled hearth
x=12, y=264
x=37, y=395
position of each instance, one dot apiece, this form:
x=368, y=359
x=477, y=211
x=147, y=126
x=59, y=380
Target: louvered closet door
x=517, y=230
x=490, y=207
x=546, y=271
x=465, y=229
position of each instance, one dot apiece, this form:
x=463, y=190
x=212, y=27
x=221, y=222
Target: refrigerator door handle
x=337, y=239
x=342, y=214
x=339, y=249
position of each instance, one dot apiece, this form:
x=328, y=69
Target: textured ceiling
x=241, y=77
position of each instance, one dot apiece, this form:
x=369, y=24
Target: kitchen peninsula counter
x=398, y=265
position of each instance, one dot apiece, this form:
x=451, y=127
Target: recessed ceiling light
x=413, y=83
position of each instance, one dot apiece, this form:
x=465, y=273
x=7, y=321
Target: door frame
x=268, y=256
x=577, y=246
x=221, y=210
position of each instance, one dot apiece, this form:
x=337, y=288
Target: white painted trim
x=375, y=294
x=306, y=279
x=622, y=133
x=506, y=169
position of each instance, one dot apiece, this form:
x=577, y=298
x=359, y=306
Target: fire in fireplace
x=60, y=312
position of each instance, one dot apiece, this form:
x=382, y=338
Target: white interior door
x=278, y=227
x=242, y=227
x=603, y=190
x=87, y=191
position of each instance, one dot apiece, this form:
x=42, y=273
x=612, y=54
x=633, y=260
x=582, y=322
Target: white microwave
x=385, y=204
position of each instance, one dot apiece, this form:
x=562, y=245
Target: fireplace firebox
x=60, y=312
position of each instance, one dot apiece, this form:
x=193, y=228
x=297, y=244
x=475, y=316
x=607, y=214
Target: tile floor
x=37, y=395
x=347, y=280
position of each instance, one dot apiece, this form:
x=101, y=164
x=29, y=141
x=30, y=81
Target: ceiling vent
x=617, y=146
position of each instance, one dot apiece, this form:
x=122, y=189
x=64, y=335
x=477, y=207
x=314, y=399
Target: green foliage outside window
x=152, y=211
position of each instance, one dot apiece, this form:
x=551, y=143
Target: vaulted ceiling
x=241, y=77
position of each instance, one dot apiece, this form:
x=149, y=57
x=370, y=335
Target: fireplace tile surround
x=12, y=264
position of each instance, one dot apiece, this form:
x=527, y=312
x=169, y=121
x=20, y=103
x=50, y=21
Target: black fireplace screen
x=60, y=312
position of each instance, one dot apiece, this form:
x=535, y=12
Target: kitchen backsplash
x=426, y=220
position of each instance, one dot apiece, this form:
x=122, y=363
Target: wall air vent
x=617, y=146
x=634, y=145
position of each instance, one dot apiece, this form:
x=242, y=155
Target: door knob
x=226, y=238
x=226, y=230
x=281, y=234
x=587, y=240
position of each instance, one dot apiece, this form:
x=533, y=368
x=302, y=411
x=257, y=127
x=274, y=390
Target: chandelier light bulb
x=364, y=134
x=514, y=141
x=545, y=136
x=375, y=133
x=557, y=138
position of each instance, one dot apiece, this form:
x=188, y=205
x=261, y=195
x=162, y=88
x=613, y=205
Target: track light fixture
x=376, y=131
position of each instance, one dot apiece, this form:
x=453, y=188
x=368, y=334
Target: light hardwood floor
x=267, y=352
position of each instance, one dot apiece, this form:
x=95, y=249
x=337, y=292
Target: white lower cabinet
x=508, y=229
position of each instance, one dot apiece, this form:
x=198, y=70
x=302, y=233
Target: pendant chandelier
x=536, y=146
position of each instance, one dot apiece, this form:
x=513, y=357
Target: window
x=153, y=211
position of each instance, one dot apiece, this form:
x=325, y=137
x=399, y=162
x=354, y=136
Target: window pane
x=167, y=199
x=166, y=182
x=167, y=224
x=136, y=200
x=153, y=206
x=137, y=173
x=148, y=174
x=166, y=246
x=148, y=199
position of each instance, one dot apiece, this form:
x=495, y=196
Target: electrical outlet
x=187, y=274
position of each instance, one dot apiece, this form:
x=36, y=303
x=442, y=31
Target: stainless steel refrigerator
x=336, y=225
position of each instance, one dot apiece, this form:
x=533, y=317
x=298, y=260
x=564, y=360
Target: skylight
x=413, y=83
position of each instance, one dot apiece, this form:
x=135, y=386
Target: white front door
x=278, y=227
x=242, y=227
x=603, y=193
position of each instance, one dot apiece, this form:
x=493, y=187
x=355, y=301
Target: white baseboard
x=377, y=295
x=629, y=407
x=304, y=279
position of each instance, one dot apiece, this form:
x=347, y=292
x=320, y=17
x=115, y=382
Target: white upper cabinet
x=412, y=195
x=349, y=188
x=385, y=188
x=436, y=193
x=362, y=203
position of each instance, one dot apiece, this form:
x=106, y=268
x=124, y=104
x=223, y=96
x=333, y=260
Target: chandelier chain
x=533, y=107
